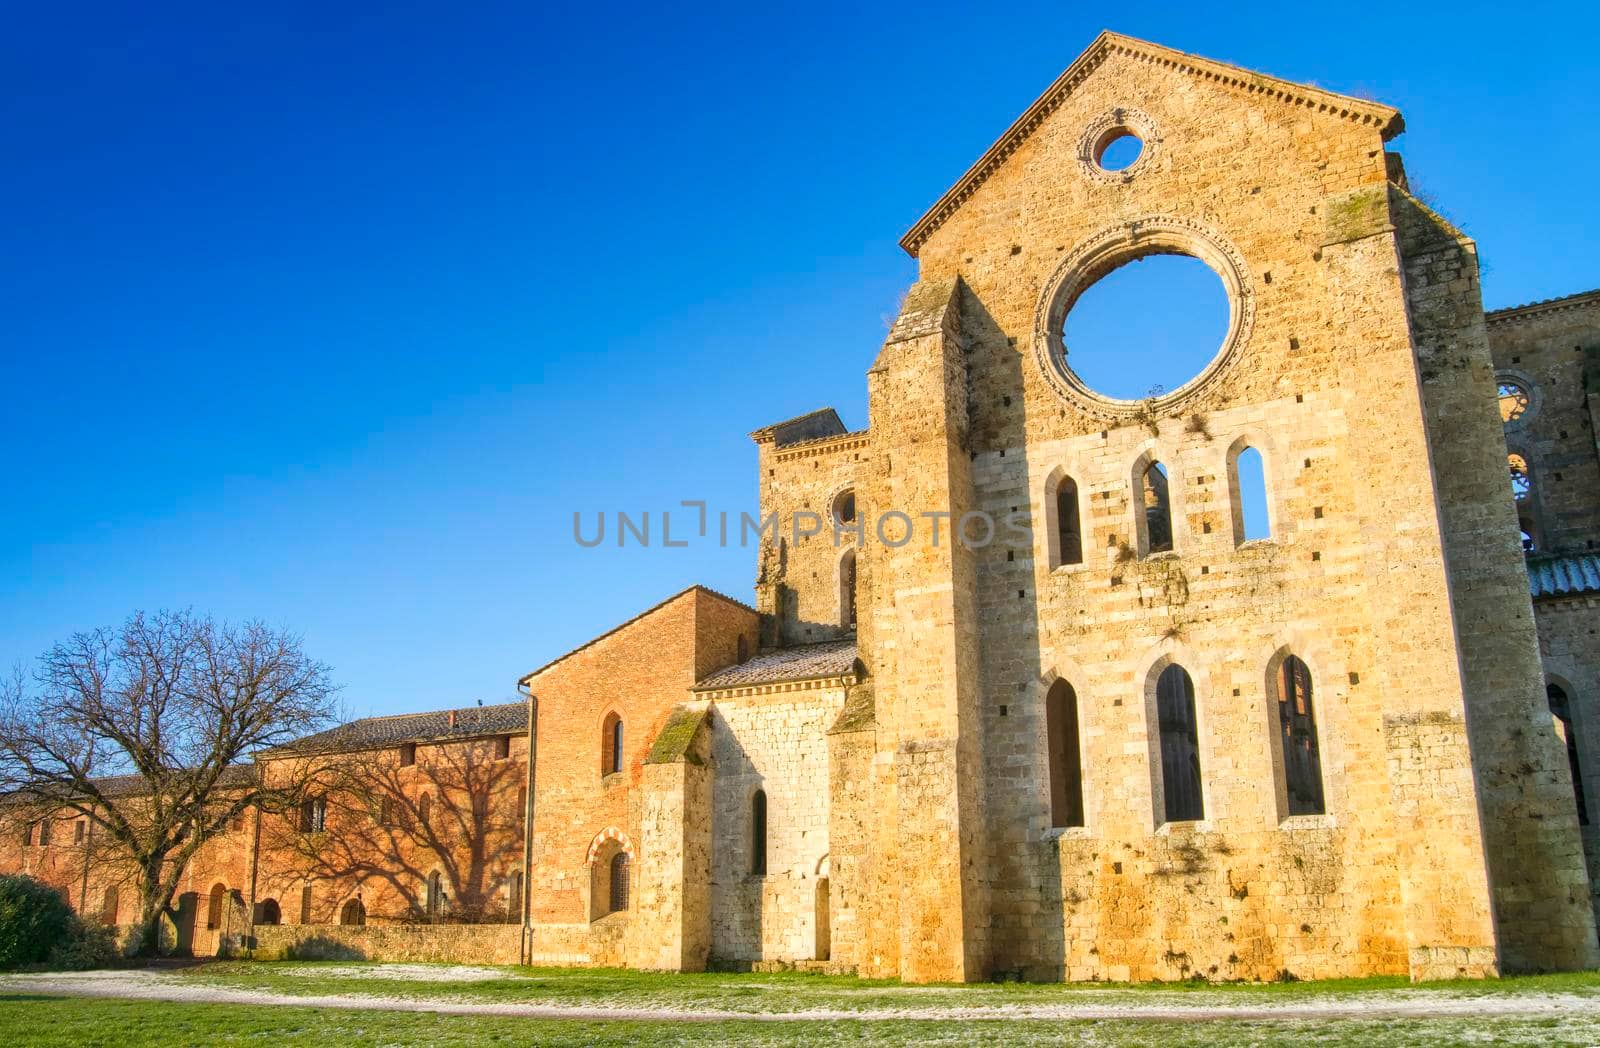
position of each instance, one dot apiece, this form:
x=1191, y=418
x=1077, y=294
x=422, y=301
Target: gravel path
x=155, y=985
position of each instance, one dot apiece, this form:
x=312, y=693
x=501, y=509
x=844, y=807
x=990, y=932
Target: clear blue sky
x=334, y=318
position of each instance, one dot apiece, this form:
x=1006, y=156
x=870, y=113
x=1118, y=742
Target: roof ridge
x=1365, y=111
x=652, y=609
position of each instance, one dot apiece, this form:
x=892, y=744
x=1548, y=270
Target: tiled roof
x=834, y=658
x=652, y=609
x=371, y=733
x=113, y=786
x=823, y=422
x=1562, y=575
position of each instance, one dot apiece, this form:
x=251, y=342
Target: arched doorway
x=353, y=914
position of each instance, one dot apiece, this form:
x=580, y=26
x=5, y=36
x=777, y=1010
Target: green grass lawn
x=62, y=1021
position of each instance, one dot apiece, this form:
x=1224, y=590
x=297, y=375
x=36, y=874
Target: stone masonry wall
x=802, y=575
x=1548, y=348
x=1351, y=580
x=1543, y=912
x=642, y=670
x=774, y=739
x=1569, y=641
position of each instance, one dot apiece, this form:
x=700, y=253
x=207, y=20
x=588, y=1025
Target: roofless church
x=1137, y=743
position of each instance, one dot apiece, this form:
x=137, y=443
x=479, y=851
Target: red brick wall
x=641, y=671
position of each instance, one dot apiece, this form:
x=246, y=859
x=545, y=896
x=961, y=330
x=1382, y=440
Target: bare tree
x=378, y=828
x=143, y=730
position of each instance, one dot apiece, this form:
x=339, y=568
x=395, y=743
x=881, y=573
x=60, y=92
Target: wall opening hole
x=1118, y=150
x=1146, y=327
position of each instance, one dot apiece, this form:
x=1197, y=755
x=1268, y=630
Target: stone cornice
x=823, y=445
x=1530, y=310
x=741, y=691
x=1386, y=119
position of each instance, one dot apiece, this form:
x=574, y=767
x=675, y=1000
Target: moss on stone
x=677, y=735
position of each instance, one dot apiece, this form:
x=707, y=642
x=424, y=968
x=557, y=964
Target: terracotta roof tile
x=371, y=733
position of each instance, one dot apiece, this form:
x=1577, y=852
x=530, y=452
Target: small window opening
x=758, y=833
x=305, y=904
x=108, y=907
x=435, y=896
x=1154, y=498
x=1118, y=150
x=502, y=747
x=611, y=753
x=1513, y=400
x=1069, y=527
x=514, y=898
x=847, y=590
x=844, y=507
x=408, y=754
x=1521, y=481
x=1250, y=519
x=314, y=815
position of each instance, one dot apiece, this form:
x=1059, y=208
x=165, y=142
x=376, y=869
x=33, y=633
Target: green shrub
x=84, y=946
x=33, y=921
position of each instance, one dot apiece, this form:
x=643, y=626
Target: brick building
x=1116, y=738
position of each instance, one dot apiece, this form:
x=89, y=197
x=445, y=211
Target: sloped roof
x=651, y=610
x=371, y=733
x=1563, y=575
x=114, y=786
x=1385, y=118
x=823, y=422
x=834, y=658
x=677, y=735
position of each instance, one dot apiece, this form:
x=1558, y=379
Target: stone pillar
x=669, y=926
x=922, y=643
x=1410, y=666
x=1536, y=865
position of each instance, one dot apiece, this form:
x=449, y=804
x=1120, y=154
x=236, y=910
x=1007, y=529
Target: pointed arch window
x=353, y=914
x=1297, y=733
x=1561, y=710
x=1154, y=501
x=1247, y=471
x=1066, y=771
x=758, y=833
x=1069, y=525
x=1180, y=746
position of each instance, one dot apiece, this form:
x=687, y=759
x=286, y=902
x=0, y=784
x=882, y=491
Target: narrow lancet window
x=1069, y=534
x=1180, y=746
x=1155, y=503
x=758, y=833
x=1066, y=770
x=1297, y=731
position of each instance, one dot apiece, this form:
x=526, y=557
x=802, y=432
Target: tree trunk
x=155, y=899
